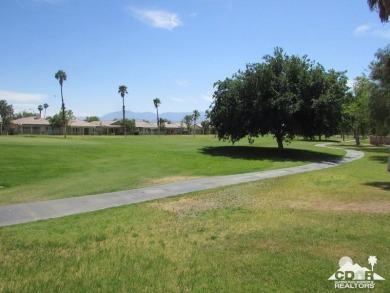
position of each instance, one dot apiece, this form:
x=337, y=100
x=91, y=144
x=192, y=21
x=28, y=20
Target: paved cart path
x=28, y=212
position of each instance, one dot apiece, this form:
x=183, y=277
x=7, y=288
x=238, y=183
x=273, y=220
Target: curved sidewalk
x=28, y=212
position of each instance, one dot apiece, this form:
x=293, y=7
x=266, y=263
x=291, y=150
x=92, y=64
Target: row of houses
x=38, y=125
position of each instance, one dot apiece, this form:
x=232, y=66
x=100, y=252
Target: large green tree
x=283, y=96
x=61, y=77
x=356, y=109
x=122, y=90
x=380, y=94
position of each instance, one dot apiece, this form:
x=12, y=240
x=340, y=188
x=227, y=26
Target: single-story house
x=81, y=127
x=37, y=125
x=32, y=125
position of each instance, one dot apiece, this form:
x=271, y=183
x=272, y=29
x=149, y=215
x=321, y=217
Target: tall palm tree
x=122, y=90
x=382, y=7
x=195, y=116
x=61, y=76
x=40, y=108
x=45, y=105
x=157, y=103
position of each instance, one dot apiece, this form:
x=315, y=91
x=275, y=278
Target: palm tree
x=40, y=108
x=45, y=105
x=382, y=7
x=61, y=76
x=195, y=116
x=157, y=103
x=372, y=260
x=122, y=90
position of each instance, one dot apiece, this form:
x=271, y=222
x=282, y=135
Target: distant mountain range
x=151, y=117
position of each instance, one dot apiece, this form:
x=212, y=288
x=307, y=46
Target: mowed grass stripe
x=45, y=167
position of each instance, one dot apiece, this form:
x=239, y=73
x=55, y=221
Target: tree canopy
x=122, y=90
x=91, y=118
x=379, y=102
x=61, y=76
x=57, y=120
x=284, y=96
x=6, y=113
x=382, y=7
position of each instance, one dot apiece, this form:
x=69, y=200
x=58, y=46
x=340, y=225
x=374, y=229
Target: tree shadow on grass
x=263, y=153
x=381, y=185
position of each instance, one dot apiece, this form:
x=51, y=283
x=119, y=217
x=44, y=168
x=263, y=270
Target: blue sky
x=174, y=49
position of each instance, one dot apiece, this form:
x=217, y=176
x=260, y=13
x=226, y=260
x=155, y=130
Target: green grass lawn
x=284, y=234
x=46, y=167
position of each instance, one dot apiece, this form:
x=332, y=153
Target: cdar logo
x=351, y=275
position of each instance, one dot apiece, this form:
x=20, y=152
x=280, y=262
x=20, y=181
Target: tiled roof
x=144, y=124
x=82, y=123
x=31, y=121
x=171, y=125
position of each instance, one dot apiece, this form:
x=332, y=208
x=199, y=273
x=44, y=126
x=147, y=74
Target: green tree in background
x=40, y=109
x=380, y=97
x=45, y=106
x=57, y=121
x=61, y=77
x=6, y=113
x=205, y=126
x=195, y=116
x=187, y=120
x=122, y=90
x=284, y=96
x=356, y=110
x=92, y=118
x=157, y=103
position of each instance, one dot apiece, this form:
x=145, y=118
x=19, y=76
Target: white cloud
x=157, y=18
x=177, y=100
x=362, y=29
x=182, y=82
x=376, y=31
x=21, y=97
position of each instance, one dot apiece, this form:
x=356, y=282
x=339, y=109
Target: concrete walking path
x=28, y=212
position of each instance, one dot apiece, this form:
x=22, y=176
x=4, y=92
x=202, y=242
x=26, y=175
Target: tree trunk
x=63, y=112
x=356, y=135
x=123, y=118
x=158, y=123
x=388, y=164
x=279, y=139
